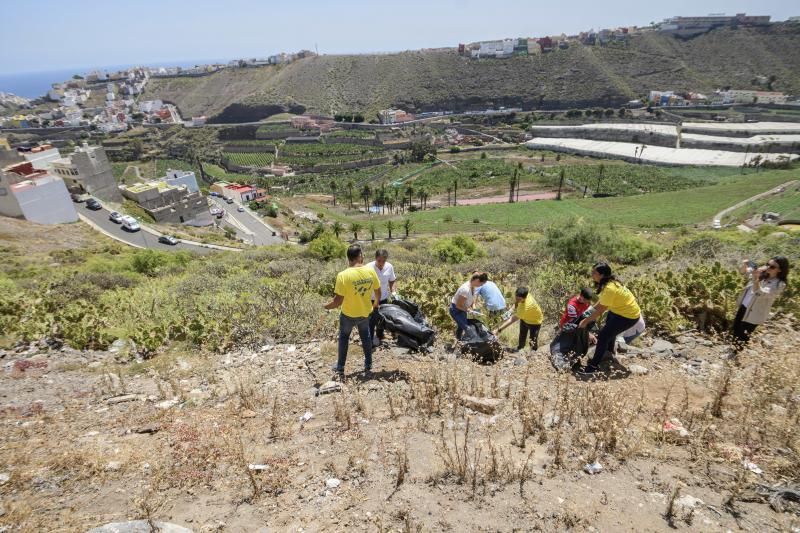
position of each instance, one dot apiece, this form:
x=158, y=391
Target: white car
x=240, y=209
x=130, y=224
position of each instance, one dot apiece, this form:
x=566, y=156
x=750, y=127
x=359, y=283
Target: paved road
x=717, y=221
x=139, y=238
x=259, y=234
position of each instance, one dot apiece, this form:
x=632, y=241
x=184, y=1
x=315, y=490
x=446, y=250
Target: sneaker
x=368, y=374
x=589, y=371
x=376, y=342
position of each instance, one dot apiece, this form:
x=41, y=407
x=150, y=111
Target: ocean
x=36, y=84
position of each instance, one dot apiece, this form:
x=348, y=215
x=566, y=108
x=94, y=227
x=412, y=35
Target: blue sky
x=53, y=35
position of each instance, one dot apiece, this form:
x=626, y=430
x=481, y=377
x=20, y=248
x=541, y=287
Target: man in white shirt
x=388, y=279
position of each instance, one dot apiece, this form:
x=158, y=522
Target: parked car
x=240, y=209
x=130, y=224
x=93, y=204
x=168, y=239
x=78, y=197
x=115, y=217
x=213, y=193
x=229, y=200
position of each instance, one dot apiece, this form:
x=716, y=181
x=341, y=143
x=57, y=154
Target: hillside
x=577, y=77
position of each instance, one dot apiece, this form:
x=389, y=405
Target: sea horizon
x=36, y=84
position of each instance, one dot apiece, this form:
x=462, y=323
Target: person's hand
x=592, y=338
x=584, y=323
x=758, y=272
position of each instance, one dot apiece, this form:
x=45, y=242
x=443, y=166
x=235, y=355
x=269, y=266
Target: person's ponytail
x=604, y=269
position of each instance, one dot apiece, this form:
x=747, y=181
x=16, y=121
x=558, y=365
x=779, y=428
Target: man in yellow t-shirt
x=354, y=291
x=529, y=315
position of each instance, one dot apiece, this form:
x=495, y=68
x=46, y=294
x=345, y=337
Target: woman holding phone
x=754, y=303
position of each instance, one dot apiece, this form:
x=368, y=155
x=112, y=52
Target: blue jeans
x=607, y=337
x=346, y=325
x=461, y=320
x=373, y=321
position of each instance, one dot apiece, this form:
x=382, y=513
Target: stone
x=113, y=466
x=248, y=413
x=332, y=483
x=329, y=387
x=688, y=502
x=124, y=398
x=166, y=404
x=662, y=346
x=139, y=526
x=488, y=406
x=520, y=361
x=148, y=428
x=593, y=468
x=4, y=477
x=638, y=370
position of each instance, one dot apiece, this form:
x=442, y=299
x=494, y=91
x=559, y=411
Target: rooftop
x=141, y=187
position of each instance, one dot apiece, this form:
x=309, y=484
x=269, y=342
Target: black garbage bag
x=405, y=320
x=571, y=343
x=479, y=343
x=568, y=347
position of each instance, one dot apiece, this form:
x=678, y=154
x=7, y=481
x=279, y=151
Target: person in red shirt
x=576, y=306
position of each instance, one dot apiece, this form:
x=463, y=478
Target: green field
x=787, y=205
x=327, y=149
x=667, y=209
x=250, y=159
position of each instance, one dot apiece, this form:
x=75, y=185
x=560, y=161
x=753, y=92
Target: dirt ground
x=431, y=443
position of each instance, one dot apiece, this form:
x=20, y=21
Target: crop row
x=250, y=159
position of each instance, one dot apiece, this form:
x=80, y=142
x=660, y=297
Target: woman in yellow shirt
x=529, y=314
x=623, y=313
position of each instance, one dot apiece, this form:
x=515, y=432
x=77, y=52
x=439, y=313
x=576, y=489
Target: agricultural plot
x=327, y=149
x=304, y=161
x=250, y=159
x=626, y=179
x=666, y=209
x=473, y=173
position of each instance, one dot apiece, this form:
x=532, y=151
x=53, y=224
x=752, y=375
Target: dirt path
x=717, y=221
x=504, y=199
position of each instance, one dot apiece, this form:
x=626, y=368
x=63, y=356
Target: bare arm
x=336, y=302
x=597, y=313
x=505, y=324
x=392, y=285
x=460, y=301
x=377, y=301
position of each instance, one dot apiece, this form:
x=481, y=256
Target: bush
x=327, y=247
x=308, y=236
x=457, y=249
x=148, y=262
x=455, y=149
x=448, y=218
x=580, y=242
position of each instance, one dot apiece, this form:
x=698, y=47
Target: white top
x=385, y=276
x=466, y=291
x=636, y=329
x=748, y=297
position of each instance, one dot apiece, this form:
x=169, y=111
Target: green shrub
x=581, y=242
x=327, y=247
x=457, y=249
x=148, y=262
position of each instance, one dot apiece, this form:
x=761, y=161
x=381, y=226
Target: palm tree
x=599, y=177
x=337, y=228
x=407, y=225
x=410, y=193
x=389, y=228
x=371, y=229
x=455, y=191
x=350, y=186
x=355, y=227
x=560, y=183
x=449, y=191
x=512, y=182
x=366, y=193
x=333, y=190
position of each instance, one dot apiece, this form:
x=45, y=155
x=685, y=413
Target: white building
x=150, y=106
x=42, y=157
x=38, y=197
x=182, y=177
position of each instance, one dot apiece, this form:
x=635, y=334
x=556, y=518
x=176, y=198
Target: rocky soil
x=260, y=440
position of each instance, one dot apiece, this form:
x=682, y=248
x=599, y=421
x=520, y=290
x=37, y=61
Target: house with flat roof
x=174, y=204
x=35, y=195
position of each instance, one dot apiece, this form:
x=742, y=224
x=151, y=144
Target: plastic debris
x=257, y=467
x=593, y=468
x=291, y=348
x=751, y=467
x=307, y=416
x=333, y=483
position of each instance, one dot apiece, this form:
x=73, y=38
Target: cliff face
x=577, y=77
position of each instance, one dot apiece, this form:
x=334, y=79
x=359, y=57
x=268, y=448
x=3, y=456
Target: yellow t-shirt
x=529, y=311
x=619, y=300
x=357, y=285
